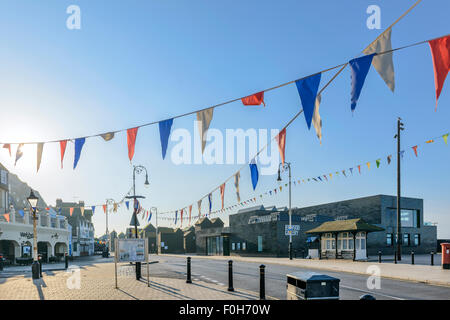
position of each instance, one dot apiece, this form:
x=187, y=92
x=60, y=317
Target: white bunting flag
x=316, y=120
x=204, y=119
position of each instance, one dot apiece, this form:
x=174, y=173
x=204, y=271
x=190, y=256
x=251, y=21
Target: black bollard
x=379, y=256
x=230, y=275
x=432, y=258
x=40, y=265
x=395, y=257
x=262, y=283
x=188, y=275
x=412, y=257
x=66, y=260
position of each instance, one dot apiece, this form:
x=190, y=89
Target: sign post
x=130, y=250
x=148, y=264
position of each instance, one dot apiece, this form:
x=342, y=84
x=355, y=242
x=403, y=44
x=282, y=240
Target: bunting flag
x=176, y=216
x=343, y=171
x=107, y=136
x=389, y=157
x=62, y=145
x=210, y=203
x=181, y=217
x=254, y=100
x=383, y=63
x=402, y=153
x=115, y=207
x=440, y=52
x=378, y=162
x=445, y=136
x=204, y=120
x=7, y=146
x=150, y=217
x=359, y=168
x=325, y=176
x=131, y=141
x=254, y=173
x=7, y=217
x=22, y=213
x=307, y=89
x=415, y=150
x=351, y=170
x=429, y=141
x=19, y=153
x=82, y=211
x=127, y=203
x=319, y=178
x=281, y=139
x=236, y=184
x=164, y=133
x=359, y=69
x=40, y=148
x=316, y=120
x=368, y=165
x=71, y=211
x=93, y=209
x=78, y=146
x=104, y=208
x=190, y=211
x=222, y=192
x=199, y=204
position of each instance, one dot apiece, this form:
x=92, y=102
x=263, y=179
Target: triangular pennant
x=78, y=147
x=107, y=136
x=236, y=184
x=440, y=52
x=359, y=69
x=190, y=211
x=93, y=209
x=62, y=144
x=378, y=161
x=7, y=217
x=222, y=192
x=383, y=63
x=71, y=211
x=254, y=100
x=127, y=203
x=281, y=139
x=131, y=141
x=429, y=141
x=199, y=205
x=368, y=165
x=104, y=208
x=316, y=120
x=389, y=157
x=40, y=148
x=204, y=120
x=307, y=89
x=359, y=168
x=254, y=173
x=445, y=137
x=351, y=170
x=415, y=150
x=343, y=171
x=164, y=133
x=19, y=153
x=82, y=211
x=210, y=202
x=7, y=146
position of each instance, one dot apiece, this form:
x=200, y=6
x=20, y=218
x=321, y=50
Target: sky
x=134, y=62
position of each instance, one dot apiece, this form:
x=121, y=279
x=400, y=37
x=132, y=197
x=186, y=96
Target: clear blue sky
x=138, y=61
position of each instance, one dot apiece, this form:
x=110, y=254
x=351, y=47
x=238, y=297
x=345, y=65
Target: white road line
x=374, y=293
x=221, y=284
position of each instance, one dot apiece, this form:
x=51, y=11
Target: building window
x=233, y=246
x=417, y=240
x=239, y=246
x=406, y=239
x=260, y=243
x=243, y=245
x=389, y=239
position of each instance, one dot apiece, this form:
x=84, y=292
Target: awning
x=351, y=225
x=311, y=239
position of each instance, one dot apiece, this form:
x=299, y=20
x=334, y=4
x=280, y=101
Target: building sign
x=294, y=229
x=262, y=219
x=27, y=235
x=131, y=250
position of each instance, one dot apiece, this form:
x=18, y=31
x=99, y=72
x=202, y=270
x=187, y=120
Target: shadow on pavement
x=40, y=283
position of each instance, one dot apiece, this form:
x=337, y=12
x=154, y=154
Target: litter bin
x=311, y=286
x=445, y=255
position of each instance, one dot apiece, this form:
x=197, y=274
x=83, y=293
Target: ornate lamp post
x=33, y=200
x=137, y=169
x=287, y=166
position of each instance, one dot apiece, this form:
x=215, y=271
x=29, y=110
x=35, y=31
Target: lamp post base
x=35, y=270
x=290, y=250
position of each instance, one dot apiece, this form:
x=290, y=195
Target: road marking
x=221, y=284
x=371, y=292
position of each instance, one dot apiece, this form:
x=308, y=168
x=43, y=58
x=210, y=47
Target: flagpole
x=398, y=239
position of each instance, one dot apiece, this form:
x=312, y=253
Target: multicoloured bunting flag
x=190, y=211
x=40, y=148
x=127, y=203
x=359, y=69
x=164, y=133
x=445, y=136
x=19, y=153
x=71, y=210
x=359, y=168
x=368, y=165
x=281, y=139
x=104, y=208
x=7, y=217
x=204, y=120
x=107, y=136
x=325, y=176
x=115, y=207
x=307, y=89
x=429, y=141
x=131, y=141
x=254, y=173
x=210, y=202
x=199, y=204
x=319, y=178
x=7, y=146
x=351, y=170
x=440, y=52
x=415, y=150
x=402, y=153
x=176, y=216
x=82, y=211
x=383, y=63
x=254, y=100
x=389, y=157
x=62, y=145
x=222, y=192
x=378, y=162
x=78, y=147
x=343, y=171
x=236, y=184
x=93, y=209
x=316, y=120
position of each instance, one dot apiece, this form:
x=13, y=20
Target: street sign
x=131, y=250
x=295, y=228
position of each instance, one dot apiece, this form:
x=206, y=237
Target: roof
x=345, y=225
x=202, y=220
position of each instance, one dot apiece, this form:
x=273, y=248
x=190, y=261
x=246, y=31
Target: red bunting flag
x=104, y=208
x=415, y=150
x=62, y=144
x=222, y=192
x=6, y=215
x=440, y=52
x=71, y=211
x=281, y=139
x=131, y=140
x=181, y=218
x=359, y=168
x=190, y=210
x=7, y=146
x=254, y=100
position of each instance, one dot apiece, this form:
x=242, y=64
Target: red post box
x=445, y=255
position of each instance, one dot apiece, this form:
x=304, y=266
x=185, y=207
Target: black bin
x=311, y=286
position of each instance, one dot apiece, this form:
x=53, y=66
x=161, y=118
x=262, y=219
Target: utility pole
x=287, y=166
x=398, y=239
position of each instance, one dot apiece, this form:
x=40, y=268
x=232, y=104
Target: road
x=246, y=276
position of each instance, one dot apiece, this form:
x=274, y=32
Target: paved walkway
x=96, y=282
x=417, y=273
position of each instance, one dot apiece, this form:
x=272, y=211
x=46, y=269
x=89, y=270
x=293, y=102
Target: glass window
x=233, y=246
x=344, y=242
x=417, y=239
x=244, y=245
x=389, y=239
x=333, y=243
x=339, y=244
x=350, y=244
x=406, y=239
x=363, y=244
x=328, y=244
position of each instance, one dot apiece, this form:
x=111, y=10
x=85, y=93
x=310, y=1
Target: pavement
x=97, y=282
x=434, y=275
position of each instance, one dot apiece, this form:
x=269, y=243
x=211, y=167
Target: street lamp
x=33, y=200
x=287, y=166
x=137, y=169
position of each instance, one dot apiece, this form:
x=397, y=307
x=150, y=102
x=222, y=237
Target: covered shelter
x=343, y=239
